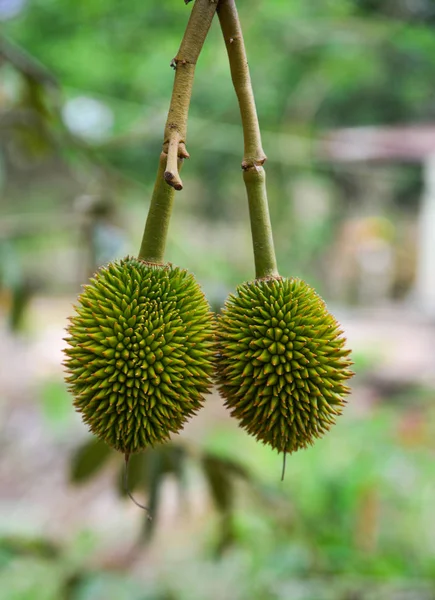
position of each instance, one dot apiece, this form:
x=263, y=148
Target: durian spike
x=140, y=353
x=281, y=362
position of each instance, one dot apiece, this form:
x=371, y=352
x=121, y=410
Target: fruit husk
x=282, y=364
x=140, y=353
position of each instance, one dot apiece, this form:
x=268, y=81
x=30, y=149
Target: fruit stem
x=254, y=157
x=156, y=228
x=284, y=463
x=184, y=64
x=174, y=149
x=127, y=489
x=261, y=228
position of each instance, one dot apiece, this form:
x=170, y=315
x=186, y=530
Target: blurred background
x=346, y=98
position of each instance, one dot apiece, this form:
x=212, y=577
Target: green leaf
x=232, y=466
x=88, y=460
x=157, y=464
x=154, y=481
x=40, y=547
x=138, y=473
x=220, y=482
x=173, y=460
x=221, y=474
x=56, y=405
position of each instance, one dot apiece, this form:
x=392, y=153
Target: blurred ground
x=40, y=432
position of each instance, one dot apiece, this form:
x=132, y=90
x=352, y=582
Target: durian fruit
x=140, y=353
x=281, y=362
x=141, y=342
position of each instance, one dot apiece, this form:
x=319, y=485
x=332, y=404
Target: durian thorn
x=127, y=490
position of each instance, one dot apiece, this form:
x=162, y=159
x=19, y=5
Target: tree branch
x=25, y=63
x=184, y=64
x=233, y=36
x=254, y=157
x=153, y=245
x=174, y=150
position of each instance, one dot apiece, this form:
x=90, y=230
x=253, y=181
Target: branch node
x=172, y=176
x=174, y=148
x=175, y=62
x=171, y=179
x=182, y=151
x=253, y=163
x=184, y=64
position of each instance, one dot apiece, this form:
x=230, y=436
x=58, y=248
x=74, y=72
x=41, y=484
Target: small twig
x=254, y=157
x=172, y=176
x=127, y=490
x=184, y=64
x=25, y=63
x=153, y=244
x=284, y=463
x=174, y=148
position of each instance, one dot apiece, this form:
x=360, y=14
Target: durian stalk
x=156, y=228
x=261, y=227
x=254, y=157
x=168, y=179
x=184, y=64
x=140, y=345
x=281, y=361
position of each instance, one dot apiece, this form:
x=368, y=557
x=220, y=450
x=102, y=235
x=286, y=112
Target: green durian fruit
x=140, y=353
x=281, y=362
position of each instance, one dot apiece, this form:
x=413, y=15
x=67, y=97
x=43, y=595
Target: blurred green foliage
x=345, y=524
x=354, y=518
x=315, y=66
x=55, y=405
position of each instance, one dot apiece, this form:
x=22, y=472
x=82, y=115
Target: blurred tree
x=315, y=66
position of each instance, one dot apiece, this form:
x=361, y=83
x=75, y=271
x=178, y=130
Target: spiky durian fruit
x=282, y=362
x=140, y=353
